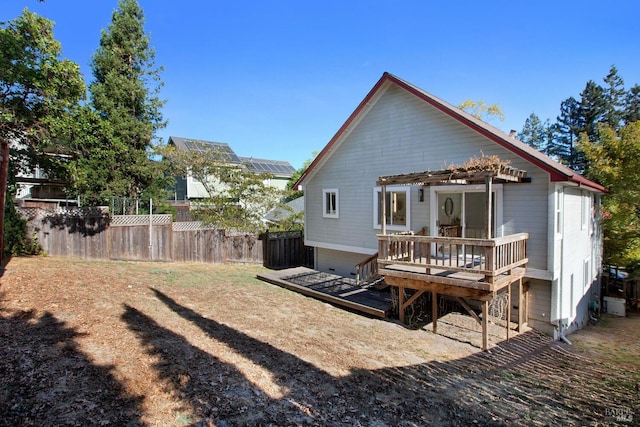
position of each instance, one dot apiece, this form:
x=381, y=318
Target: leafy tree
x=238, y=197
x=294, y=194
x=480, y=110
x=614, y=159
x=37, y=90
x=125, y=96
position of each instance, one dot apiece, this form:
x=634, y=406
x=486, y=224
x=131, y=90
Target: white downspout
x=561, y=281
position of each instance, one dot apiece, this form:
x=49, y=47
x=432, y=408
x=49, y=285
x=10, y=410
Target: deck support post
x=489, y=190
x=401, y=303
x=434, y=311
x=383, y=221
x=508, y=309
x=485, y=324
x=522, y=309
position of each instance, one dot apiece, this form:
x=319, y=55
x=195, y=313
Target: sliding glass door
x=463, y=213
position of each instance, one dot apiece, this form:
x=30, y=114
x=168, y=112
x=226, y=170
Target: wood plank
x=401, y=303
x=434, y=311
x=521, y=306
x=414, y=297
x=485, y=325
x=437, y=287
x=434, y=278
x=279, y=278
x=508, y=310
x=466, y=306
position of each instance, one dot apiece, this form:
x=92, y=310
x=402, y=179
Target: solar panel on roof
x=202, y=146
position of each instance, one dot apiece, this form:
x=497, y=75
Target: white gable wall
x=401, y=134
x=577, y=259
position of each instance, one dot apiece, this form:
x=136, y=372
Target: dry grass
x=481, y=163
x=192, y=344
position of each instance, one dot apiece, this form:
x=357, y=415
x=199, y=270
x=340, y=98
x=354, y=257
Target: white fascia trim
x=342, y=248
x=534, y=273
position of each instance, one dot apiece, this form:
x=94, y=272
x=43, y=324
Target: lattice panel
x=498, y=306
x=32, y=212
x=83, y=212
x=191, y=226
x=118, y=220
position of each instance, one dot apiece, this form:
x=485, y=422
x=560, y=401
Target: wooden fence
x=90, y=233
x=284, y=249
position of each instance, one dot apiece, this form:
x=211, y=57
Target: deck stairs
x=367, y=275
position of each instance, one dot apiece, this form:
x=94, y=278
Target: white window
x=586, y=209
x=397, y=210
x=573, y=297
x=559, y=210
x=586, y=273
x=330, y=203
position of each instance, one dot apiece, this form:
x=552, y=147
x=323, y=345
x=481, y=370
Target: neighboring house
x=399, y=129
x=37, y=189
x=189, y=188
x=293, y=207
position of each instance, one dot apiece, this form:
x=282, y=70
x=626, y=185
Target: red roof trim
x=340, y=131
x=557, y=172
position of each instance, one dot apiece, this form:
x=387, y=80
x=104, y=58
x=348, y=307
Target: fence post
x=150, y=228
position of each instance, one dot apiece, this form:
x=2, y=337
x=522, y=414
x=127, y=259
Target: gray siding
x=402, y=134
x=539, y=306
x=338, y=262
x=577, y=249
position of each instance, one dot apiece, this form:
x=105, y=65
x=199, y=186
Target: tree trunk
x=4, y=172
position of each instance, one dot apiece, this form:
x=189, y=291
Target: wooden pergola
x=488, y=175
x=480, y=271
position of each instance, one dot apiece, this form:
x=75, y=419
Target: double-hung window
x=397, y=203
x=330, y=203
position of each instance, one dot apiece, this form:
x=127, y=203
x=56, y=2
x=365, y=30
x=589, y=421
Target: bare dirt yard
x=96, y=343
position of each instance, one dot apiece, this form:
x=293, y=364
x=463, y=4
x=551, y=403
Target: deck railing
x=489, y=257
x=367, y=270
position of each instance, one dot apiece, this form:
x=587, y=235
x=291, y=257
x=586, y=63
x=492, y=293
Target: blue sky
x=276, y=79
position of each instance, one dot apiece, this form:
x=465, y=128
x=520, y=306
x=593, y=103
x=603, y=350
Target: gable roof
x=199, y=145
x=557, y=171
x=277, y=168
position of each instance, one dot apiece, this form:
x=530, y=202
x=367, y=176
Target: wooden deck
x=454, y=267
x=337, y=290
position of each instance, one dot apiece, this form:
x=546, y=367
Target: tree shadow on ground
x=529, y=380
x=47, y=380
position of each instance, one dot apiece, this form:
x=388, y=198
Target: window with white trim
x=559, y=193
x=397, y=204
x=586, y=208
x=330, y=203
x=586, y=273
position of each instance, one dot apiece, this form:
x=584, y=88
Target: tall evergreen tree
x=536, y=133
x=632, y=105
x=568, y=125
x=614, y=95
x=593, y=110
x=125, y=94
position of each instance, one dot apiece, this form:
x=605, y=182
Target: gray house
x=369, y=195
x=189, y=188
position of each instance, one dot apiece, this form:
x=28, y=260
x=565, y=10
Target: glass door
x=464, y=214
